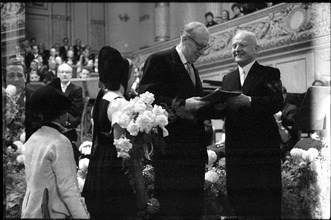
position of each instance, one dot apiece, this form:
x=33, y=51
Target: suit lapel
x=253, y=74
x=181, y=70
x=69, y=89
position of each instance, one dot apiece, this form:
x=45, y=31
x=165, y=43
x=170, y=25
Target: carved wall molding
x=98, y=22
x=281, y=28
x=60, y=17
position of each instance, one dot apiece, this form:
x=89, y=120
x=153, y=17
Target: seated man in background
x=86, y=72
x=52, y=71
x=75, y=94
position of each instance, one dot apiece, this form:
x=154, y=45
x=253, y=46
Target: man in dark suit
x=31, y=56
x=180, y=169
x=252, y=143
x=75, y=94
x=52, y=71
x=64, y=48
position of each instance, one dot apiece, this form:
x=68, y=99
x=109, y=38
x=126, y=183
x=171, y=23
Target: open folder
x=219, y=95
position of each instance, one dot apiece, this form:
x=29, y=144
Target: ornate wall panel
x=38, y=27
x=12, y=27
x=293, y=30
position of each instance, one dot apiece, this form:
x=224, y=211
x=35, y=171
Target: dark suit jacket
x=252, y=142
x=63, y=52
x=180, y=171
x=75, y=94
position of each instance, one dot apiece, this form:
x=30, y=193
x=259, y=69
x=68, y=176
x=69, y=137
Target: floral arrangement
x=216, y=202
x=84, y=149
x=144, y=126
x=13, y=158
x=306, y=183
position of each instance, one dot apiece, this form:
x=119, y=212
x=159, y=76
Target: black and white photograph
x=166, y=110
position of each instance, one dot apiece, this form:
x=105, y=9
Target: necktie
x=242, y=77
x=190, y=71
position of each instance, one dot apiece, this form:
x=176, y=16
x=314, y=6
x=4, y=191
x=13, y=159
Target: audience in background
x=53, y=54
x=32, y=70
x=18, y=55
x=77, y=49
x=210, y=19
x=237, y=11
x=250, y=7
x=31, y=56
x=85, y=73
x=43, y=52
x=52, y=71
x=64, y=48
x=225, y=16
x=57, y=48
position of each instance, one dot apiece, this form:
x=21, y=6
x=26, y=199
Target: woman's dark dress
x=107, y=192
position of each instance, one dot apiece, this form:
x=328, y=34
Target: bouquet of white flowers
x=144, y=126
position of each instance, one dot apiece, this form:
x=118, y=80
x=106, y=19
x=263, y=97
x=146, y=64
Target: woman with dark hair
x=107, y=191
x=49, y=161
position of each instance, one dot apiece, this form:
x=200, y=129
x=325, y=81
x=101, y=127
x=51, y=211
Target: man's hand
x=234, y=103
x=193, y=104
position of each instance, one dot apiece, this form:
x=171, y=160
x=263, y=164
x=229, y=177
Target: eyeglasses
x=64, y=72
x=242, y=45
x=199, y=46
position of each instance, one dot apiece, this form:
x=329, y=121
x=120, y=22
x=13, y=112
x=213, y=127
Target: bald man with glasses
x=171, y=76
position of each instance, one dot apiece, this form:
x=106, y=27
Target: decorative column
x=162, y=21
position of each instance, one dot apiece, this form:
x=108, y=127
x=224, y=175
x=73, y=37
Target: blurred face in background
x=15, y=76
x=85, y=73
x=34, y=65
x=52, y=64
x=225, y=15
x=53, y=52
x=70, y=53
x=35, y=49
x=34, y=77
x=58, y=60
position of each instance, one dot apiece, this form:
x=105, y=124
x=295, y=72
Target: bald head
x=194, y=40
x=244, y=47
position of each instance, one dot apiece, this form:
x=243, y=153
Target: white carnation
x=123, y=144
x=212, y=157
x=145, y=121
x=147, y=98
x=133, y=128
x=211, y=176
x=297, y=153
x=83, y=163
x=19, y=145
x=313, y=153
x=139, y=106
x=20, y=158
x=124, y=120
x=161, y=120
